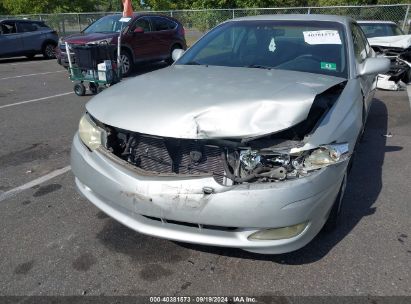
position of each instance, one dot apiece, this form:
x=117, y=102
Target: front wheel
x=80, y=89
x=126, y=63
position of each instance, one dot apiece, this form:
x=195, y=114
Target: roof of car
x=22, y=20
x=376, y=21
x=143, y=14
x=298, y=17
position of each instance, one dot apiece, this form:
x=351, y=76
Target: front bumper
x=177, y=208
x=62, y=57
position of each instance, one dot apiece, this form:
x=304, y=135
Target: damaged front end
x=400, y=70
x=270, y=158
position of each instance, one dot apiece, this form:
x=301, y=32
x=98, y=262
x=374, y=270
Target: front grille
x=170, y=155
x=193, y=225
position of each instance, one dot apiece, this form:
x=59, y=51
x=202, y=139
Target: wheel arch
x=48, y=41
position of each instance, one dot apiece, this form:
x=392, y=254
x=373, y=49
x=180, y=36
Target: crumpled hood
x=400, y=41
x=199, y=102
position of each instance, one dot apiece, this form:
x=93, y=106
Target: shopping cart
x=95, y=65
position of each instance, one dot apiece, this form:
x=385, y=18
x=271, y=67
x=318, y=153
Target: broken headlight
x=268, y=165
x=326, y=155
x=90, y=134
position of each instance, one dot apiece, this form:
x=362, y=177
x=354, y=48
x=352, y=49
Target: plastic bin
x=89, y=56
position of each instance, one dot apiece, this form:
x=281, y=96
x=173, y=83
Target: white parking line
x=28, y=75
x=34, y=100
x=37, y=181
x=24, y=62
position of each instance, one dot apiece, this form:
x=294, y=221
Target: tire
x=332, y=221
x=170, y=60
x=80, y=89
x=126, y=63
x=49, y=51
x=93, y=88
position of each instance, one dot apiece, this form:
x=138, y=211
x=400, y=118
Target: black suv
x=27, y=38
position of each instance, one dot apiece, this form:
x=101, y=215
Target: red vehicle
x=145, y=38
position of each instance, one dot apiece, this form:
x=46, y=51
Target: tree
x=16, y=7
x=3, y=10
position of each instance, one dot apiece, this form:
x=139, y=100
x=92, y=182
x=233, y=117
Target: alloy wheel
x=125, y=64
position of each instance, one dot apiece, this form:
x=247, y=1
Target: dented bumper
x=184, y=208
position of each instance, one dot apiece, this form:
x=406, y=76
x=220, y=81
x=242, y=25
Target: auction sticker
x=331, y=66
x=322, y=37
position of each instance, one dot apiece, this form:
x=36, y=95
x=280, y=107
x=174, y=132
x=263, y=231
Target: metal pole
x=78, y=22
x=405, y=18
x=309, y=11
x=233, y=14
x=119, y=63
x=69, y=58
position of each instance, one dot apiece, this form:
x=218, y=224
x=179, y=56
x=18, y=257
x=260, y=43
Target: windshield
x=381, y=29
x=107, y=24
x=306, y=46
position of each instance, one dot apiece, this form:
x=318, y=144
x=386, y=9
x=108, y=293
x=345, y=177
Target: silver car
x=245, y=142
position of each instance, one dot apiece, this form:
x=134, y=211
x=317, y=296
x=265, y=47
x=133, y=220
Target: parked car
x=245, y=142
x=388, y=40
x=27, y=38
x=144, y=38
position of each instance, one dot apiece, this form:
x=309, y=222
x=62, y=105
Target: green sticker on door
x=331, y=66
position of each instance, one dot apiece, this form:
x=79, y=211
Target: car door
x=10, y=41
x=141, y=43
x=362, y=51
x=31, y=36
x=163, y=34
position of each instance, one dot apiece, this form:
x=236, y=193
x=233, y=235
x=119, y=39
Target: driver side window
x=144, y=23
x=361, y=47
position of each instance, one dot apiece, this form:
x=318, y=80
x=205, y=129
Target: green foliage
x=160, y=5
x=16, y=7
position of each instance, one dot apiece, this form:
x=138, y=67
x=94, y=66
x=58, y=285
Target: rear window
x=29, y=27
x=163, y=24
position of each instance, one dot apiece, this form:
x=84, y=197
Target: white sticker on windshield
x=125, y=19
x=322, y=37
x=272, y=47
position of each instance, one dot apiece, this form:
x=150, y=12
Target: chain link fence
x=196, y=22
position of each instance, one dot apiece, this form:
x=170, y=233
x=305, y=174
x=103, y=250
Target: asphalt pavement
x=54, y=242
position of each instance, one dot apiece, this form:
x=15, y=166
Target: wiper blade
x=258, y=66
x=193, y=63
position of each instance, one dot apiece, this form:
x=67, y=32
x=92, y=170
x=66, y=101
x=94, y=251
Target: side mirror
x=138, y=30
x=177, y=53
x=374, y=66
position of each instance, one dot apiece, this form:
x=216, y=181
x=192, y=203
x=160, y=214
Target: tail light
x=181, y=31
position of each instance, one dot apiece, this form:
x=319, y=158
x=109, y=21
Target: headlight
x=265, y=165
x=326, y=155
x=90, y=134
x=102, y=41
